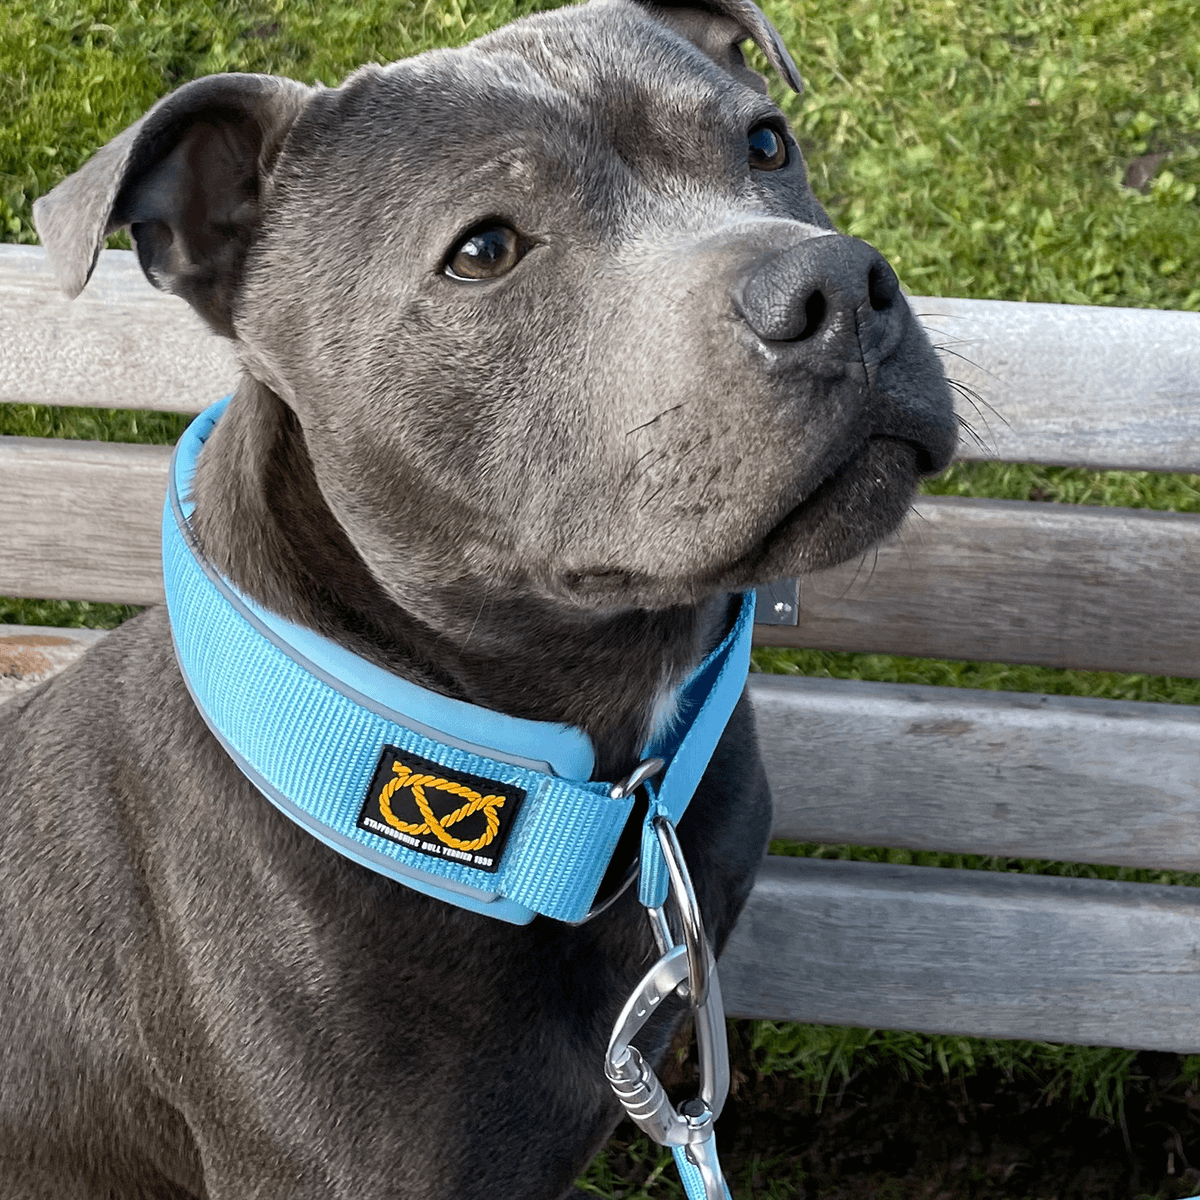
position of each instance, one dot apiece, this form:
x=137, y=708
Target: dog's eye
x=485, y=253
x=768, y=148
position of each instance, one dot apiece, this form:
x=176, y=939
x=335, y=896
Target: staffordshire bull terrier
x=548, y=351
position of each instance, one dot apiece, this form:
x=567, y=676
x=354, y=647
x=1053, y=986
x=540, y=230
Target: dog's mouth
x=860, y=501
x=858, y=504
x=868, y=481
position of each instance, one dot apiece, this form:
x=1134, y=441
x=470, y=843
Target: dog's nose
x=836, y=292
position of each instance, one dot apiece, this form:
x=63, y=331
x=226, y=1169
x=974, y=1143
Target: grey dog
x=547, y=350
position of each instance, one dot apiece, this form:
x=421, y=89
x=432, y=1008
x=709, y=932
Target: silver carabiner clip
x=687, y=966
x=704, y=987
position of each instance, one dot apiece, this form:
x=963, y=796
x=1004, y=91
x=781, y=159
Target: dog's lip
x=885, y=495
x=856, y=503
x=828, y=482
x=814, y=496
x=857, y=459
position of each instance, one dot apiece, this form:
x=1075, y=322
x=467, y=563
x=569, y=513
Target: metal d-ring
x=646, y=769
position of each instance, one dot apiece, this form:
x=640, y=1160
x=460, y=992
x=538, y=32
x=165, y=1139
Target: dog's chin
x=860, y=504
x=855, y=507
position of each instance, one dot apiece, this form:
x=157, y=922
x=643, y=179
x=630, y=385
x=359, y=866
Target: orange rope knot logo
x=404, y=777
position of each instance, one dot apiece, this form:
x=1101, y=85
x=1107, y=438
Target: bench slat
x=1064, y=777
x=1072, y=384
x=971, y=952
x=1065, y=586
x=120, y=344
x=994, y=773
x=1060, y=585
x=81, y=520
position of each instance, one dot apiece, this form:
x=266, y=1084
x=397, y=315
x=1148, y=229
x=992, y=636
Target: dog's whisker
x=950, y=340
x=948, y=348
x=631, y=471
x=483, y=603
x=966, y=425
x=698, y=444
x=977, y=399
x=862, y=558
x=648, y=500
x=647, y=424
x=979, y=404
x=874, y=566
x=942, y=316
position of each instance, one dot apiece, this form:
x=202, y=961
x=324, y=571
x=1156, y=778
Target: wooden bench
x=1031, y=776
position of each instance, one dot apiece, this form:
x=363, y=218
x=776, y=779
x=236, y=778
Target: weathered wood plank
x=1074, y=384
x=1109, y=589
x=121, y=344
x=1059, y=585
x=80, y=520
x=971, y=952
x=1070, y=384
x=31, y=654
x=999, y=773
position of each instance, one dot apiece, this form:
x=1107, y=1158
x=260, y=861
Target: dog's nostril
x=814, y=314
x=882, y=285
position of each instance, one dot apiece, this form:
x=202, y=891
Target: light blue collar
x=492, y=813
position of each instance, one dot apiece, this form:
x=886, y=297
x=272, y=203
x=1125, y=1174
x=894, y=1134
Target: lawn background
x=981, y=146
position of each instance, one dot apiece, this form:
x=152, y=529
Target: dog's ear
x=186, y=179
x=687, y=17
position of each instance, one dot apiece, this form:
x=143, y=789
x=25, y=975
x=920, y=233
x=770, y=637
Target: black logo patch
x=449, y=814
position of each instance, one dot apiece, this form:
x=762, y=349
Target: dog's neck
x=263, y=522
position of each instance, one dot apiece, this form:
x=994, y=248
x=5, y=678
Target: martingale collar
x=493, y=813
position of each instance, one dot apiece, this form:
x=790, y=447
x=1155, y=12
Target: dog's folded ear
x=186, y=178
x=751, y=20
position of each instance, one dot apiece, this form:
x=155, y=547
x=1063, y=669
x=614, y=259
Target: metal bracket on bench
x=777, y=603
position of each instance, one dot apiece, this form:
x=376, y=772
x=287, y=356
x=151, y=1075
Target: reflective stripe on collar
x=317, y=729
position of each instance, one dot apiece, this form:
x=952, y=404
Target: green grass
x=1069, y=485
x=982, y=862
x=74, y=73
x=981, y=146
x=829, y=1056
x=95, y=424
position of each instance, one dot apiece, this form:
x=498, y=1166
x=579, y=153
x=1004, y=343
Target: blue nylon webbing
x=719, y=680
x=312, y=747
x=689, y=1174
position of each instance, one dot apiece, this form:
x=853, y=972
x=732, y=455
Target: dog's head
x=555, y=314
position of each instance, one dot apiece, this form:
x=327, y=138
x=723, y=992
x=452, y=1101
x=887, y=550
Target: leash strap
x=324, y=735
x=708, y=700
x=692, y=1179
